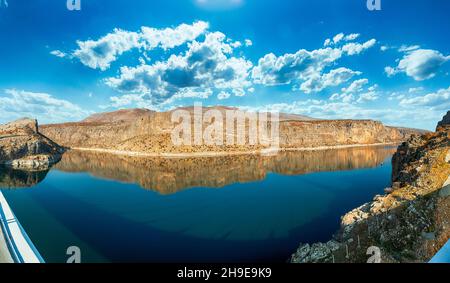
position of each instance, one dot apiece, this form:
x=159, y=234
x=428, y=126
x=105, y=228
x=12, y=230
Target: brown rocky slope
x=23, y=147
x=408, y=224
x=146, y=131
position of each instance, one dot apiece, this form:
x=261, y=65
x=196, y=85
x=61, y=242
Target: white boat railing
x=20, y=246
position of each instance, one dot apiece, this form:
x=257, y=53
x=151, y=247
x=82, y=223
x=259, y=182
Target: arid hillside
x=150, y=132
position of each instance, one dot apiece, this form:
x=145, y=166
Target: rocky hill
x=23, y=147
x=118, y=116
x=146, y=131
x=408, y=224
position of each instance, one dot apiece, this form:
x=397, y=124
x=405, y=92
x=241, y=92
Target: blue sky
x=326, y=59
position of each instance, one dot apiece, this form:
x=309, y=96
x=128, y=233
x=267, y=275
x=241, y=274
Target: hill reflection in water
x=171, y=175
x=15, y=179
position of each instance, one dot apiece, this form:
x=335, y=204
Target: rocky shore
x=23, y=147
x=410, y=223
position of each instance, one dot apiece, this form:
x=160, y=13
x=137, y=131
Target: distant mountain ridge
x=127, y=115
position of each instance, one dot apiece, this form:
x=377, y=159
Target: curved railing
x=20, y=247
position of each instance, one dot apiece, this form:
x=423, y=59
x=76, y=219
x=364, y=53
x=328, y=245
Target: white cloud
x=351, y=37
x=203, y=67
x=439, y=100
x=420, y=64
x=333, y=78
x=288, y=68
x=368, y=96
x=169, y=38
x=15, y=104
x=341, y=37
x=356, y=86
x=344, y=97
x=248, y=42
x=99, y=54
x=58, y=53
x=353, y=48
x=306, y=68
x=408, y=48
x=390, y=71
x=338, y=37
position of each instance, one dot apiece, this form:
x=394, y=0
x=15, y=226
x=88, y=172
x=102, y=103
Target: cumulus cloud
x=16, y=104
x=390, y=71
x=169, y=38
x=439, y=100
x=344, y=97
x=99, y=54
x=273, y=70
x=206, y=65
x=368, y=96
x=408, y=48
x=340, y=37
x=356, y=86
x=354, y=48
x=420, y=64
x=333, y=78
x=306, y=68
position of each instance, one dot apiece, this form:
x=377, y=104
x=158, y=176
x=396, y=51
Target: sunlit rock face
x=150, y=132
x=170, y=175
x=23, y=147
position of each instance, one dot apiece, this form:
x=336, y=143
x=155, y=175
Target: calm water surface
x=232, y=209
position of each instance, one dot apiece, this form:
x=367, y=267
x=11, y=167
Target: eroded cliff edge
x=408, y=224
x=23, y=147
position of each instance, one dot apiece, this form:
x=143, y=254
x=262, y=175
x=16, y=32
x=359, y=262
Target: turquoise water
x=248, y=214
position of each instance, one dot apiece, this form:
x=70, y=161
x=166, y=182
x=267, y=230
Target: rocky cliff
x=150, y=132
x=408, y=224
x=23, y=147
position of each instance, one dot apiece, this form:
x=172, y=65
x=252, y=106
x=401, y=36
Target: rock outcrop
x=445, y=122
x=23, y=147
x=150, y=132
x=410, y=223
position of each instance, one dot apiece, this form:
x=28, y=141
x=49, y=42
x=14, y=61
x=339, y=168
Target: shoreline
x=263, y=152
